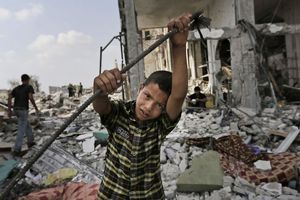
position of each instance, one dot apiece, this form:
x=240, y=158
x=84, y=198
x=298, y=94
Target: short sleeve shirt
x=132, y=166
x=21, y=95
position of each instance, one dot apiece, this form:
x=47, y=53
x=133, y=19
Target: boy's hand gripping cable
x=197, y=21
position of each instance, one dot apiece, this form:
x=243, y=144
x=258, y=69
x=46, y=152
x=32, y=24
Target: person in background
x=21, y=95
x=71, y=90
x=138, y=128
x=197, y=99
x=80, y=89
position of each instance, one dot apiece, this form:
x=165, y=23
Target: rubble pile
x=193, y=165
x=266, y=132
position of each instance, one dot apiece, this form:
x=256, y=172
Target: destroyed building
x=251, y=50
x=245, y=147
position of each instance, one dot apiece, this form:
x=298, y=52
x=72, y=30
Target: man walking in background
x=22, y=94
x=80, y=89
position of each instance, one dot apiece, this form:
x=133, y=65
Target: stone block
x=205, y=174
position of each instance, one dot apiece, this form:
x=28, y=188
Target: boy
x=138, y=128
x=197, y=99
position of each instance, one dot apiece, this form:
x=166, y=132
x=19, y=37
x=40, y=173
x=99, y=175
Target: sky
x=57, y=41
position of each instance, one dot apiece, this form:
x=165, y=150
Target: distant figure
x=21, y=95
x=71, y=90
x=80, y=89
x=197, y=99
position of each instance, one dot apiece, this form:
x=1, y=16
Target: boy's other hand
x=109, y=81
x=182, y=24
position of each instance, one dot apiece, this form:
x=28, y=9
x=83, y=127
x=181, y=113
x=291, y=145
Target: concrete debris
x=88, y=145
x=205, y=174
x=263, y=165
x=270, y=189
x=83, y=147
x=4, y=146
x=84, y=136
x=33, y=178
x=242, y=186
x=288, y=140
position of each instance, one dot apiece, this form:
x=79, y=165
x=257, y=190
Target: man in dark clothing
x=80, y=88
x=71, y=90
x=197, y=99
x=22, y=94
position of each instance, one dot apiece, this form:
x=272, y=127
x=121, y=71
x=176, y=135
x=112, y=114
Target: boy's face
x=150, y=103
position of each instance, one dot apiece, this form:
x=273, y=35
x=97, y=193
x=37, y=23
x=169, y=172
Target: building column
x=214, y=67
x=244, y=81
x=134, y=48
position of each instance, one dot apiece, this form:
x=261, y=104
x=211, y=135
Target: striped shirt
x=132, y=165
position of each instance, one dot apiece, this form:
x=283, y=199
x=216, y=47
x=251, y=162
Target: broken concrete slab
x=170, y=172
x=205, y=174
x=277, y=132
x=85, y=136
x=244, y=112
x=289, y=191
x=244, y=185
x=5, y=146
x=288, y=140
x=69, y=134
x=271, y=189
x=88, y=145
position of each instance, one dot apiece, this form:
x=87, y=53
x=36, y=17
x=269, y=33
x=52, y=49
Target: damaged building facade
x=250, y=52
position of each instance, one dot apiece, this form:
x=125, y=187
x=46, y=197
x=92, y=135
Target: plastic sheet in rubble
x=56, y=158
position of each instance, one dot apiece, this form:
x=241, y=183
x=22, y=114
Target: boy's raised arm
x=179, y=75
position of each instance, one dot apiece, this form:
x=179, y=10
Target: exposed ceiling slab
x=157, y=13
x=265, y=7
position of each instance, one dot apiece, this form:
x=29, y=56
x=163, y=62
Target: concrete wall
x=290, y=13
x=222, y=12
x=154, y=13
x=159, y=58
x=262, y=8
x=134, y=48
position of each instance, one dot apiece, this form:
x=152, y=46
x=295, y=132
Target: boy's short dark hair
x=25, y=77
x=163, y=79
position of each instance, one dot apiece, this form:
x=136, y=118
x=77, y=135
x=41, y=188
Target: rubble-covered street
x=195, y=161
